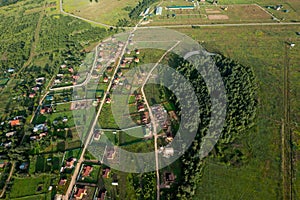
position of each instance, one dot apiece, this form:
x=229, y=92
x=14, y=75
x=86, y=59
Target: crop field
x=105, y=11
x=45, y=163
x=176, y=3
x=263, y=49
x=213, y=14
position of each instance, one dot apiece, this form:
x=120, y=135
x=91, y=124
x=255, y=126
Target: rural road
x=90, y=134
x=153, y=120
x=225, y=25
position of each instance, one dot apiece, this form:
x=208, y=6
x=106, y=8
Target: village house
x=70, y=163
x=108, y=100
x=105, y=172
x=31, y=95
x=141, y=107
x=46, y=110
x=10, y=134
x=7, y=144
x=15, y=122
x=35, y=88
x=62, y=181
x=86, y=170
x=97, y=135
x=40, y=127
x=168, y=152
x=145, y=117
x=119, y=73
x=2, y=163
x=24, y=166
x=101, y=195
x=136, y=60
x=169, y=178
x=138, y=97
x=110, y=153
x=80, y=192
x=105, y=79
x=109, y=69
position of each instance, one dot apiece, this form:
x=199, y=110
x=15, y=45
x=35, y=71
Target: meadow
x=105, y=11
x=263, y=49
x=23, y=187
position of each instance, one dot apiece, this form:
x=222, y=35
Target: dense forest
x=7, y=2
x=239, y=82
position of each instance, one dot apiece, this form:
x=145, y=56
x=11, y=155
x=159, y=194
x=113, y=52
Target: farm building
x=158, y=11
x=180, y=7
x=146, y=12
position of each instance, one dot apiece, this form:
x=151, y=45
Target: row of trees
x=140, y=7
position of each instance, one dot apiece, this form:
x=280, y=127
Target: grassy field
x=23, y=187
x=105, y=11
x=263, y=49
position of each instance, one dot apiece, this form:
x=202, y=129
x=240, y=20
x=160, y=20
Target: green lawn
x=106, y=119
x=73, y=153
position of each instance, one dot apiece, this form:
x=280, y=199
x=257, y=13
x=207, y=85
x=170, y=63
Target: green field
x=263, y=49
x=23, y=187
x=105, y=11
x=40, y=164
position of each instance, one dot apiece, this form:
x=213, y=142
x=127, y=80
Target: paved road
x=153, y=120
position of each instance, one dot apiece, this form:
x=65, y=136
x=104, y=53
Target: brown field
x=211, y=11
x=247, y=12
x=210, y=14
x=217, y=17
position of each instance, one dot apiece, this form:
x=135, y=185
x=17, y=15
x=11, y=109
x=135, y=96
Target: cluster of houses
x=39, y=131
x=126, y=61
x=39, y=82
x=81, y=192
x=11, y=127
x=141, y=108
x=66, y=75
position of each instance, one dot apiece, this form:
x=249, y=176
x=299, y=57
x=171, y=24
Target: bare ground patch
x=217, y=17
x=212, y=11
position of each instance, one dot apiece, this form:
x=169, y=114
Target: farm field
x=105, y=11
x=263, y=49
x=209, y=14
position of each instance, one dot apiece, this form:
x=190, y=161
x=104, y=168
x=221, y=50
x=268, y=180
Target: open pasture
x=105, y=11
